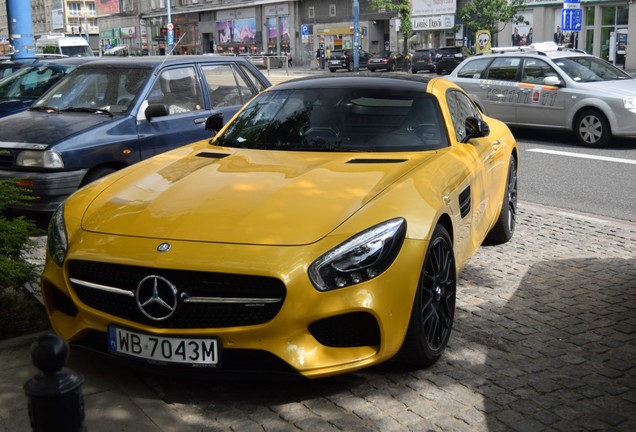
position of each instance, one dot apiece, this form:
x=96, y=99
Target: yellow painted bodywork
x=272, y=214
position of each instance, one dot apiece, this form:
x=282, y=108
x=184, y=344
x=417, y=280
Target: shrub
x=15, y=270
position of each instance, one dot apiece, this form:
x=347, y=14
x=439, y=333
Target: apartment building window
x=183, y=2
x=332, y=10
x=311, y=13
x=74, y=9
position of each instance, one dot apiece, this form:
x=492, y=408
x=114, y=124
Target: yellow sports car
x=320, y=231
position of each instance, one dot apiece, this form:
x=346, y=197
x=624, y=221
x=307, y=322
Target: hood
x=37, y=127
x=619, y=88
x=243, y=197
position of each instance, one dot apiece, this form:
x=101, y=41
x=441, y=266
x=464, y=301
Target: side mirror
x=475, y=128
x=552, y=81
x=214, y=123
x=156, y=110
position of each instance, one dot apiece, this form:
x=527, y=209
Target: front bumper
x=302, y=332
x=49, y=189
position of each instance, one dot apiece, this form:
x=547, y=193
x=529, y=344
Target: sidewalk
x=115, y=399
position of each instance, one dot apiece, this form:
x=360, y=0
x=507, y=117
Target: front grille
x=226, y=300
x=6, y=159
x=348, y=330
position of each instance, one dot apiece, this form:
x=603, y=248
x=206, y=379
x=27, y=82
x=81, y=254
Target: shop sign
x=436, y=22
x=128, y=32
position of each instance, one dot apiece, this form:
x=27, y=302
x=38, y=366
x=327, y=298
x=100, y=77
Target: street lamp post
x=86, y=24
x=356, y=36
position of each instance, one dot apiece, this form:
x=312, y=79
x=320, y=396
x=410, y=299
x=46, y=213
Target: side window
x=474, y=68
x=535, y=70
x=178, y=89
x=226, y=86
x=460, y=107
x=250, y=75
x=504, y=69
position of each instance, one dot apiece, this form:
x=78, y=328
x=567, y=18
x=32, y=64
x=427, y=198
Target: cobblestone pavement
x=544, y=339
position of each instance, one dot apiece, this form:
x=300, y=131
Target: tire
x=414, y=71
x=333, y=70
x=439, y=71
x=592, y=129
x=96, y=173
x=434, y=304
x=391, y=68
x=504, y=228
x=371, y=70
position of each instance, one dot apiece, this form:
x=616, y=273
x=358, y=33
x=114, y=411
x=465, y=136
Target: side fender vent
x=464, y=202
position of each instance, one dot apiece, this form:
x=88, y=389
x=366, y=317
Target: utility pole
x=86, y=24
x=170, y=28
x=20, y=29
x=356, y=36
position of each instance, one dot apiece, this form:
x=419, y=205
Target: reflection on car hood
x=617, y=87
x=242, y=196
x=37, y=127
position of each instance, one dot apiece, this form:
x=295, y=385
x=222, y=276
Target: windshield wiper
x=44, y=108
x=89, y=110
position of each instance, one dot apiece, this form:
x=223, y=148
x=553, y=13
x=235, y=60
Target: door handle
x=200, y=120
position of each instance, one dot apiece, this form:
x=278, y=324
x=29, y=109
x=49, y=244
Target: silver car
x=549, y=87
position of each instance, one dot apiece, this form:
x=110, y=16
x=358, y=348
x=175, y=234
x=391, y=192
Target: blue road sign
x=571, y=19
x=304, y=30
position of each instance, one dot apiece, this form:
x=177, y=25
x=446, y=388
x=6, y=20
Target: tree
x=490, y=14
x=403, y=7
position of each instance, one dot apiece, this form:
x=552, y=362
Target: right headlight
x=359, y=259
x=57, y=241
x=40, y=159
x=629, y=103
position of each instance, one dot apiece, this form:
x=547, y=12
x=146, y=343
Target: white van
x=71, y=46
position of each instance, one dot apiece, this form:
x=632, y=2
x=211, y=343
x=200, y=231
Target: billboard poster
x=107, y=7
x=226, y=31
x=433, y=7
x=245, y=30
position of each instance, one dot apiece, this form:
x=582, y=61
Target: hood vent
x=211, y=155
x=376, y=161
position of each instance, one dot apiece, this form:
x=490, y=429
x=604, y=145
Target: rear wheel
x=434, y=305
x=332, y=70
x=504, y=228
x=592, y=129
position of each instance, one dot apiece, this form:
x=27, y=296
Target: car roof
x=541, y=49
x=154, y=61
x=358, y=80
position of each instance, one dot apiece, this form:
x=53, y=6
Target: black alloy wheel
x=434, y=305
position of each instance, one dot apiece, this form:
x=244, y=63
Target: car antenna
x=169, y=53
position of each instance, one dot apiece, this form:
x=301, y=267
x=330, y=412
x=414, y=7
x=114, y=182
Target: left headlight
x=40, y=159
x=361, y=258
x=630, y=103
x=57, y=241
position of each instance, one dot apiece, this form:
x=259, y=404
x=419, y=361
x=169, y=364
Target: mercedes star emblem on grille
x=156, y=297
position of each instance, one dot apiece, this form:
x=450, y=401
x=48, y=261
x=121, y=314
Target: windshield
x=590, y=69
x=338, y=119
x=110, y=90
x=32, y=82
x=76, y=51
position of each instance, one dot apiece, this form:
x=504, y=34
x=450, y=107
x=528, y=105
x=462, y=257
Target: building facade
x=299, y=27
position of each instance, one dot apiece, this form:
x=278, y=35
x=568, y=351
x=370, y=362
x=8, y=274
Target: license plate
x=162, y=349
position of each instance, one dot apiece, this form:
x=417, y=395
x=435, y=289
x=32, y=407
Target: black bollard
x=55, y=394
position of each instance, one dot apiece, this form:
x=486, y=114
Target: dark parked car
x=343, y=59
x=389, y=61
x=448, y=58
x=423, y=60
x=108, y=114
x=19, y=90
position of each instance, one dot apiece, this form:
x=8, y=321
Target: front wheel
x=592, y=129
x=434, y=304
x=332, y=70
x=504, y=228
